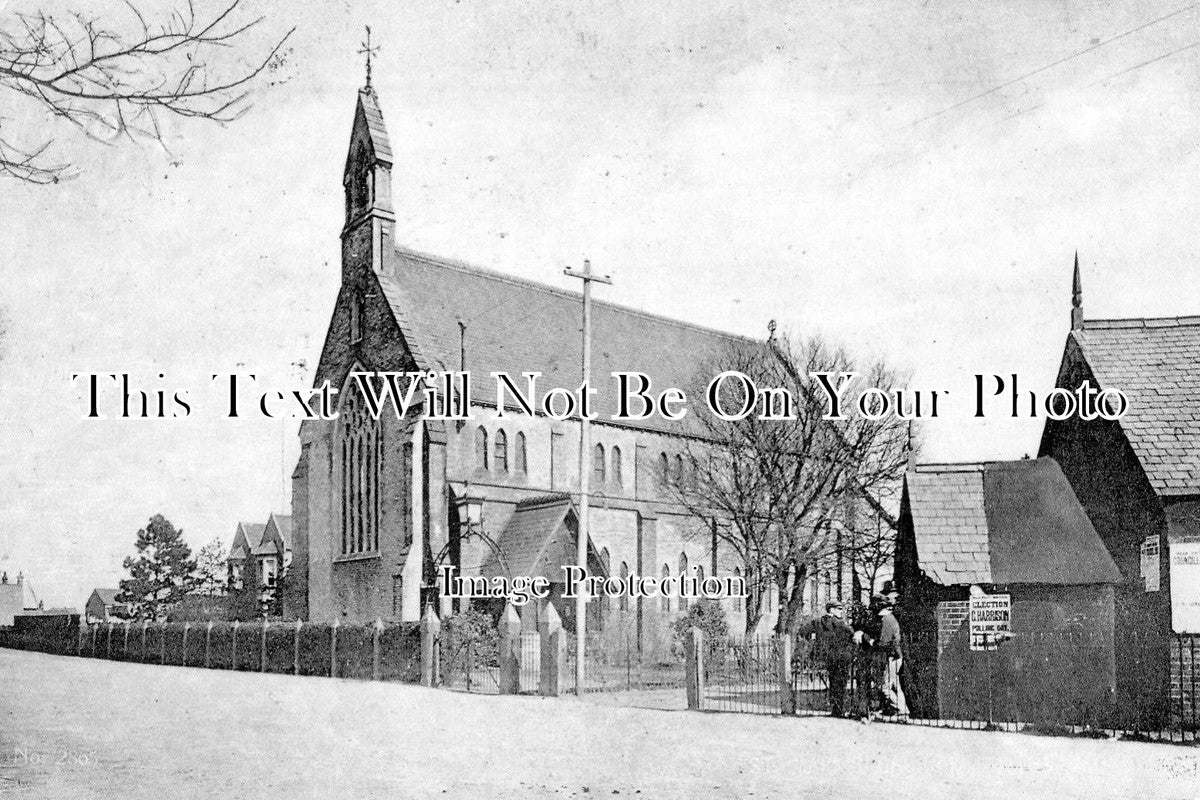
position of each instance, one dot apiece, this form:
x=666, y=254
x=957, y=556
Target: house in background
x=1010, y=528
x=102, y=606
x=15, y=598
x=1138, y=478
x=259, y=557
x=247, y=536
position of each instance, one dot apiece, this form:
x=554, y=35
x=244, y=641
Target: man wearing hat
x=835, y=647
x=888, y=645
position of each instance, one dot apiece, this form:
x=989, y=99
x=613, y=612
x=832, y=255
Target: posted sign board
x=1185, y=587
x=990, y=618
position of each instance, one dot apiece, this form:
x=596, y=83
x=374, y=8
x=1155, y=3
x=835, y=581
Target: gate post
x=554, y=654
x=186, y=627
x=333, y=629
x=787, y=694
x=145, y=628
x=208, y=644
x=430, y=627
x=296, y=649
x=695, y=669
x=263, y=647
x=375, y=650
x=162, y=644
x=510, y=651
x=233, y=658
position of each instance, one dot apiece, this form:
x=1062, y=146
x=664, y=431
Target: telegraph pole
x=585, y=473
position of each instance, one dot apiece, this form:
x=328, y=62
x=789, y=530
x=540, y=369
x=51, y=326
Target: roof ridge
x=1140, y=322
x=463, y=266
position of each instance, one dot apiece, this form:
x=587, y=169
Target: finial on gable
x=1076, y=298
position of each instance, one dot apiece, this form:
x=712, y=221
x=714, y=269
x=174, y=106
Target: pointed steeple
x=367, y=180
x=1076, y=298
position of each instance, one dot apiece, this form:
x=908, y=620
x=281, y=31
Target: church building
x=380, y=505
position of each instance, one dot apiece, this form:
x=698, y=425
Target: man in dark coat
x=835, y=648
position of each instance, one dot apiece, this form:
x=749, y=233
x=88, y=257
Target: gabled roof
x=1004, y=522
x=107, y=596
x=1156, y=364
x=283, y=524
x=247, y=537
x=538, y=540
x=518, y=326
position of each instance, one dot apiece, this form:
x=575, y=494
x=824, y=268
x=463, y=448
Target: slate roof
x=283, y=522
x=517, y=326
x=538, y=540
x=1004, y=522
x=107, y=596
x=369, y=103
x=1156, y=364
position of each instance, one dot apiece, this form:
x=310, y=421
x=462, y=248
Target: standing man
x=835, y=647
x=888, y=645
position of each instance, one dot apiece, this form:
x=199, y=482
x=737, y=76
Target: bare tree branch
x=114, y=82
x=780, y=489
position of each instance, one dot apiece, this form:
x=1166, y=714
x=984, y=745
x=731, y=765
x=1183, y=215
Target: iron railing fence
x=742, y=675
x=613, y=663
x=1135, y=685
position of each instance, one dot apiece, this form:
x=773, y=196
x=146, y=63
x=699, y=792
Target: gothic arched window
x=356, y=314
x=624, y=579
x=604, y=559
x=666, y=598
x=501, y=451
x=679, y=471
x=361, y=451
x=522, y=466
x=737, y=600
x=616, y=465
x=598, y=465
x=481, y=448
x=700, y=577
x=683, y=575
x=664, y=471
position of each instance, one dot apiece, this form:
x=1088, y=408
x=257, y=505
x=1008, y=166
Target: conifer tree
x=162, y=572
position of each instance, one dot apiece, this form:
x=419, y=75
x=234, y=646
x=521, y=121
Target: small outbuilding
x=102, y=606
x=1006, y=595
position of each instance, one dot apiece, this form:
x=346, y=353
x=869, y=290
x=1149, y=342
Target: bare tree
x=776, y=488
x=113, y=79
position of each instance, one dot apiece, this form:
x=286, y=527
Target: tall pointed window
x=616, y=466
x=664, y=471
x=605, y=560
x=501, y=451
x=521, y=465
x=624, y=580
x=737, y=599
x=666, y=598
x=356, y=314
x=481, y=448
x=598, y=465
x=360, y=454
x=683, y=575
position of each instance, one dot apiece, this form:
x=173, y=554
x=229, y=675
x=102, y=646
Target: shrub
x=706, y=615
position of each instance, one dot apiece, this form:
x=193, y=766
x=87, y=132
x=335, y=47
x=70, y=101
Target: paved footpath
x=72, y=727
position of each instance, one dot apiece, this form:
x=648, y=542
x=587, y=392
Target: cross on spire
x=369, y=51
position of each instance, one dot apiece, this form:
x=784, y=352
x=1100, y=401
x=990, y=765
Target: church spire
x=1076, y=298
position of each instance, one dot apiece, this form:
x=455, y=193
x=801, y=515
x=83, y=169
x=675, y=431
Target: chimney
x=1076, y=298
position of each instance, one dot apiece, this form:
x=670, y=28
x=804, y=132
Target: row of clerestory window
x=608, y=467
x=496, y=457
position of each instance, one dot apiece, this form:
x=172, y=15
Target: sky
x=911, y=181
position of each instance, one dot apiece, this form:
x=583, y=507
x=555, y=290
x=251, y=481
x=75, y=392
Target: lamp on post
x=470, y=513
